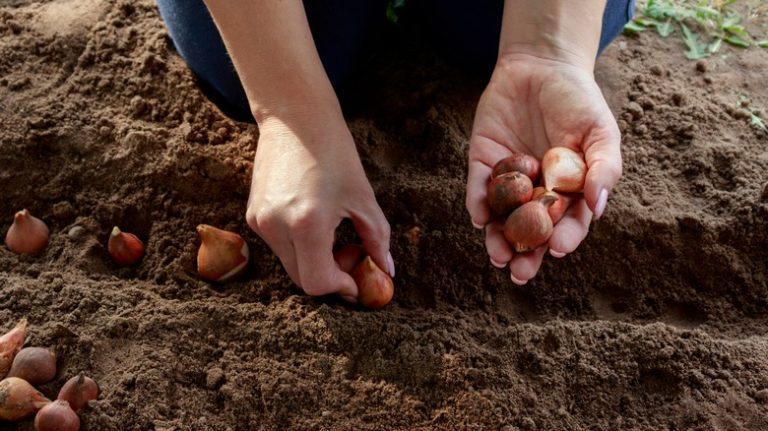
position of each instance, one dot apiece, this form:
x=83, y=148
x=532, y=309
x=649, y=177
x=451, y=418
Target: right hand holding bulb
x=307, y=177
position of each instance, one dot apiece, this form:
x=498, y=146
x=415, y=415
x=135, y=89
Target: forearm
x=562, y=30
x=275, y=57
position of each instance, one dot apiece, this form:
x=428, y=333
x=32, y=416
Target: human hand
x=530, y=105
x=307, y=177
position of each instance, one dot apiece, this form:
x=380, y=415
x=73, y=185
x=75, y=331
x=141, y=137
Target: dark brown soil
x=657, y=322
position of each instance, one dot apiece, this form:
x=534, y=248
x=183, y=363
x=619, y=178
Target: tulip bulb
x=508, y=191
x=27, y=235
x=124, y=248
x=557, y=209
x=19, y=399
x=530, y=226
x=57, y=416
x=77, y=391
x=564, y=170
x=375, y=287
x=10, y=344
x=523, y=163
x=223, y=255
x=36, y=365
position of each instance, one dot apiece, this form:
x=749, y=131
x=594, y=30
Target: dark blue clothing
x=470, y=32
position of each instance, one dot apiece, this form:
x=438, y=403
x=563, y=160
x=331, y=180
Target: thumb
x=603, y=157
x=374, y=230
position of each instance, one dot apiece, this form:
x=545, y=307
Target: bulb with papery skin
x=374, y=286
x=222, y=256
x=10, y=344
x=57, y=416
x=124, y=248
x=557, y=209
x=78, y=390
x=564, y=170
x=508, y=191
x=36, y=365
x=523, y=163
x=19, y=399
x=530, y=226
x=27, y=235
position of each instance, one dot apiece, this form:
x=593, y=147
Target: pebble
x=214, y=378
x=762, y=396
x=76, y=232
x=657, y=70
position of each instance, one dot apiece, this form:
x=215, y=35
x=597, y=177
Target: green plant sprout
x=715, y=19
x=754, y=119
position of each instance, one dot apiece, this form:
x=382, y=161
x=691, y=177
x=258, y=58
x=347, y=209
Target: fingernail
x=602, y=200
x=476, y=225
x=556, y=254
x=390, y=265
x=516, y=281
x=497, y=264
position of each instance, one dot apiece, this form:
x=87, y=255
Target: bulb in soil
x=36, y=365
x=77, y=391
x=10, y=344
x=27, y=235
x=375, y=287
x=508, y=191
x=523, y=163
x=564, y=170
x=19, y=400
x=557, y=209
x=529, y=226
x=57, y=416
x=222, y=256
x=124, y=248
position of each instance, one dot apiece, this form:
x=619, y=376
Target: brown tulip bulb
x=557, y=209
x=77, y=391
x=222, y=256
x=523, y=163
x=57, y=416
x=124, y=248
x=27, y=235
x=375, y=287
x=10, y=344
x=19, y=399
x=529, y=226
x=564, y=170
x=508, y=191
x=36, y=365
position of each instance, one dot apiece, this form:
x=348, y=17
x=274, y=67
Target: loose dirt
x=658, y=321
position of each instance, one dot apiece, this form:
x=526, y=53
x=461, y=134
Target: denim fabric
x=339, y=27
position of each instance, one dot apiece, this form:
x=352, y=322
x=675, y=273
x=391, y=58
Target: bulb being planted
x=530, y=226
x=77, y=391
x=10, y=344
x=27, y=235
x=124, y=248
x=375, y=287
x=57, y=416
x=36, y=365
x=19, y=400
x=564, y=170
x=222, y=256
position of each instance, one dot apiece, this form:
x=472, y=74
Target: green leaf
x=763, y=43
x=757, y=122
x=665, y=29
x=633, y=27
x=695, y=49
x=737, y=41
x=715, y=46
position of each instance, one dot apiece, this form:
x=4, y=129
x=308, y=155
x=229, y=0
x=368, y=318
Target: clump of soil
x=658, y=321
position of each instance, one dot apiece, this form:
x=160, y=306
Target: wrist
x=566, y=31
